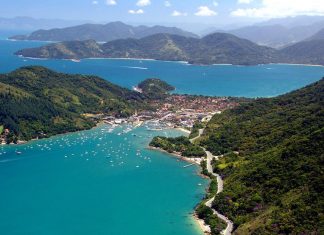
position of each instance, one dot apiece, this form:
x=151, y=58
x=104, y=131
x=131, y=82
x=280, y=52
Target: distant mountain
x=270, y=35
x=277, y=35
x=306, y=52
x=29, y=24
x=318, y=36
x=218, y=48
x=36, y=101
x=100, y=33
x=293, y=21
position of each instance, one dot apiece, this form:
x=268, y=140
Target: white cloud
x=95, y=2
x=167, y=4
x=282, y=8
x=136, y=12
x=111, y=2
x=178, y=13
x=205, y=11
x=215, y=4
x=244, y=1
x=143, y=3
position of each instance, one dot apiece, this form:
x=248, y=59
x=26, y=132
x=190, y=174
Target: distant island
x=154, y=88
x=100, y=32
x=217, y=48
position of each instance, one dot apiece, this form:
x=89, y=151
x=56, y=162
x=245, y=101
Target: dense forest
x=275, y=184
x=216, y=48
x=155, y=88
x=38, y=102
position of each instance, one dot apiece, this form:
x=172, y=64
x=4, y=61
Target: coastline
x=292, y=64
x=201, y=224
x=195, y=161
x=183, y=130
x=192, y=161
x=205, y=228
x=167, y=61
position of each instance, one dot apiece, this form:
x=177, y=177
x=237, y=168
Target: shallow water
x=96, y=182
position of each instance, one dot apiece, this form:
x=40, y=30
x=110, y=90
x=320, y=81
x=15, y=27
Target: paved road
x=210, y=157
x=229, y=227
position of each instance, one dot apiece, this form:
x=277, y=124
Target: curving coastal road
x=229, y=227
x=210, y=157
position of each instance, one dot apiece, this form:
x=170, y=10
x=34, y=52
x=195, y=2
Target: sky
x=152, y=11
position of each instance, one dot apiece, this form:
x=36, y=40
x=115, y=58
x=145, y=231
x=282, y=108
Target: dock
x=189, y=165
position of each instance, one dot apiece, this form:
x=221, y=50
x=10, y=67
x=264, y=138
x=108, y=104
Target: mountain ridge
x=100, y=32
x=218, y=48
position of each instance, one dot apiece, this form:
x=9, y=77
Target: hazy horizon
x=217, y=13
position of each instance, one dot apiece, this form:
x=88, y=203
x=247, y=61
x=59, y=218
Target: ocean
x=97, y=182
x=214, y=80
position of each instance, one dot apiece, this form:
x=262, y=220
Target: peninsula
x=36, y=102
x=269, y=153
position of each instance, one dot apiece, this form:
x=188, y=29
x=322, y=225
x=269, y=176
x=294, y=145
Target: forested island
x=270, y=157
x=217, y=48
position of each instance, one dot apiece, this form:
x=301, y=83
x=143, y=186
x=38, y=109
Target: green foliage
x=155, y=88
x=38, y=102
x=206, y=213
x=195, y=129
x=275, y=184
x=217, y=48
x=179, y=145
x=306, y=52
x=1, y=129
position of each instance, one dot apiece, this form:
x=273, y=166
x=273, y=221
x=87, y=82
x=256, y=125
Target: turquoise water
x=96, y=182
x=219, y=80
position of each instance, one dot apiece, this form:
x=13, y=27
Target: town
x=176, y=111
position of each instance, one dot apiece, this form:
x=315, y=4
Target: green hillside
x=306, y=52
x=275, y=184
x=37, y=102
x=155, y=88
x=218, y=48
